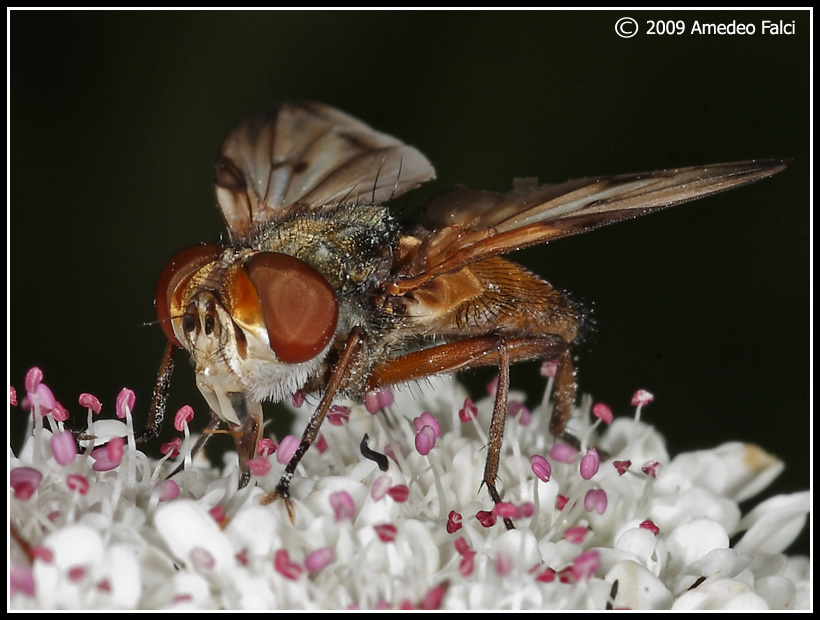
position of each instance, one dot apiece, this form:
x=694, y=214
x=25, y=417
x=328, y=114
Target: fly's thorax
x=352, y=246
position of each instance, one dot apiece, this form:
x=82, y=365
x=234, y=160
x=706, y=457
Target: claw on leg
x=282, y=493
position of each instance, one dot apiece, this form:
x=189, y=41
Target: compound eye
x=172, y=280
x=299, y=306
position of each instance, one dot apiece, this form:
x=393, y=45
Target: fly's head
x=256, y=324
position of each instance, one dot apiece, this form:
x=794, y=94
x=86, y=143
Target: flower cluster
x=617, y=524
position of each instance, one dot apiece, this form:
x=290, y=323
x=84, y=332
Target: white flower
x=631, y=528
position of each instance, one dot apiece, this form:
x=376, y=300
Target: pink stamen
x=462, y=547
x=109, y=456
x=603, y=413
x=622, y=466
x=12, y=396
x=505, y=510
x=468, y=412
x=585, y=565
x=76, y=573
x=183, y=417
x=517, y=409
x=63, y=447
x=380, y=487
x=287, y=448
x=371, y=403
x=172, y=447
x=218, y=513
x=338, y=415
x=125, y=402
x=563, y=453
x=589, y=464
x=544, y=575
x=427, y=419
x=466, y=565
x=259, y=466
x=525, y=510
x=576, y=534
x=318, y=559
x=433, y=598
x=202, y=558
x=595, y=500
x=44, y=554
x=399, y=493
x=650, y=525
x=298, y=399
x=44, y=396
x=642, y=397
x=386, y=532
x=549, y=368
x=25, y=481
x=33, y=378
x=385, y=395
x=503, y=564
x=560, y=502
x=425, y=440
x=321, y=444
x=541, y=467
x=492, y=386
x=486, y=518
x=391, y=448
x=59, y=412
x=78, y=483
x=286, y=568
x=342, y=504
x=651, y=468
x=266, y=446
x=376, y=400
x=168, y=490
x=454, y=524
x=89, y=401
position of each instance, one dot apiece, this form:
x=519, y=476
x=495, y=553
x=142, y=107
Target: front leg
x=336, y=381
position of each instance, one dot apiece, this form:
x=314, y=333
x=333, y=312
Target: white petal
x=691, y=541
x=75, y=545
x=520, y=546
x=106, y=430
x=778, y=592
x=720, y=594
x=670, y=511
x=643, y=441
x=256, y=529
x=186, y=526
x=774, y=524
x=122, y=572
x=638, y=588
x=752, y=469
x=644, y=547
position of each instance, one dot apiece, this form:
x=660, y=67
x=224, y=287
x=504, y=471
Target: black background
x=116, y=118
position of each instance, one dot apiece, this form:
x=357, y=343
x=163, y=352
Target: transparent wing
x=308, y=155
x=464, y=225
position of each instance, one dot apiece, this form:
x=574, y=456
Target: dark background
x=116, y=118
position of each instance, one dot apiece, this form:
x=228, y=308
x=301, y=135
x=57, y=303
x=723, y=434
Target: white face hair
x=221, y=370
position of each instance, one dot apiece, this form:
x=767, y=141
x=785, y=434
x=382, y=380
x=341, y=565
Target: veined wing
x=464, y=225
x=308, y=155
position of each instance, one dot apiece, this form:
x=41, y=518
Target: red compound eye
x=174, y=276
x=299, y=306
